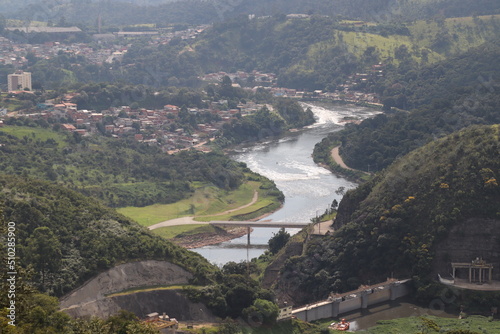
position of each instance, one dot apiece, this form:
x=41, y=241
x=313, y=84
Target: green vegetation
x=313, y=53
x=36, y=313
x=206, y=200
x=317, y=52
x=446, y=97
x=118, y=172
x=278, y=241
x=232, y=295
x=391, y=223
x=210, y=203
x=68, y=238
x=293, y=326
x=264, y=123
x=431, y=324
x=184, y=230
x=36, y=133
x=198, y=11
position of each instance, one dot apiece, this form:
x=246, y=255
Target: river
x=308, y=188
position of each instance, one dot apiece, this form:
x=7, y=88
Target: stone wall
x=466, y=241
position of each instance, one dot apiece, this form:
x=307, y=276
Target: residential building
x=19, y=81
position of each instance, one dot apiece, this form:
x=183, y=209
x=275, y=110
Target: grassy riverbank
x=207, y=203
x=254, y=198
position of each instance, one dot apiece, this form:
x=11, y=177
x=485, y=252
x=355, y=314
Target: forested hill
x=199, y=11
x=68, y=238
x=306, y=53
x=120, y=172
x=444, y=97
x=315, y=52
x=392, y=224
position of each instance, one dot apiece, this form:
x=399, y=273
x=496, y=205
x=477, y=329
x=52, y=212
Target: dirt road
x=190, y=220
x=338, y=159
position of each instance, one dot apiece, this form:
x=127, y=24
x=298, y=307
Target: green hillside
x=392, y=224
x=315, y=52
x=118, y=172
x=68, y=238
x=444, y=97
x=199, y=11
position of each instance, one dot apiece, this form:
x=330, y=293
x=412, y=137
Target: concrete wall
x=381, y=295
x=350, y=302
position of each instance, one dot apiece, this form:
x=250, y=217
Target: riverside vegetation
x=443, y=98
x=64, y=238
x=393, y=223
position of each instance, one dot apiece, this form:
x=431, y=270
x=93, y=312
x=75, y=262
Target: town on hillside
x=158, y=126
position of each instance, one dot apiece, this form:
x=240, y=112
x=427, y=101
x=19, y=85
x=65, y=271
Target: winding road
x=190, y=219
x=338, y=159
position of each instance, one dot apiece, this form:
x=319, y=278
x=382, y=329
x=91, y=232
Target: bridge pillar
x=336, y=307
x=248, y=235
x=364, y=299
x=393, y=287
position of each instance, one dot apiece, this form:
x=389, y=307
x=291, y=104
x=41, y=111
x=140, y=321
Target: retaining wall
x=332, y=307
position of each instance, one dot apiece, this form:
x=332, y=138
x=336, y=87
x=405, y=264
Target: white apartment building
x=19, y=81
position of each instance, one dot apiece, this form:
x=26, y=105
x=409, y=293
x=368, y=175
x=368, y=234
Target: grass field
x=437, y=40
x=173, y=231
x=35, y=133
x=9, y=103
x=462, y=33
x=204, y=204
x=431, y=324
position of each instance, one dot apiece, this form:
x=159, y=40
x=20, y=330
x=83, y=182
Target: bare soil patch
x=209, y=238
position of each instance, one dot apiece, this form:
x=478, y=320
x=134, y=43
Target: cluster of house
x=162, y=323
x=159, y=126
x=12, y=53
x=105, y=48
x=347, y=92
x=254, y=77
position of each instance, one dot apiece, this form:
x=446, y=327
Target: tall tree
x=44, y=250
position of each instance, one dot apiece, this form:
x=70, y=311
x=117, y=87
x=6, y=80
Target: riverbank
x=200, y=233
x=203, y=239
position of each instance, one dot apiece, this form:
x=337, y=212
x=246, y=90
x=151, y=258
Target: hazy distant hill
x=207, y=11
x=439, y=204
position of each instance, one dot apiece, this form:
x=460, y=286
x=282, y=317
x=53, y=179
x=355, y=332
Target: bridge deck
x=258, y=224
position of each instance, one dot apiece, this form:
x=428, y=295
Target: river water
x=308, y=188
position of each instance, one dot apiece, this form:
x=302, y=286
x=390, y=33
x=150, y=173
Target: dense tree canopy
x=462, y=93
x=392, y=223
x=68, y=238
x=119, y=172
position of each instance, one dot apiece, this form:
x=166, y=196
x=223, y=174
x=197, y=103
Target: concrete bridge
x=258, y=224
x=250, y=224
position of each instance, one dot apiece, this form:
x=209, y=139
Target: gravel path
x=190, y=220
x=338, y=159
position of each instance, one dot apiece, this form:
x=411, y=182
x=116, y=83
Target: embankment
x=91, y=298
